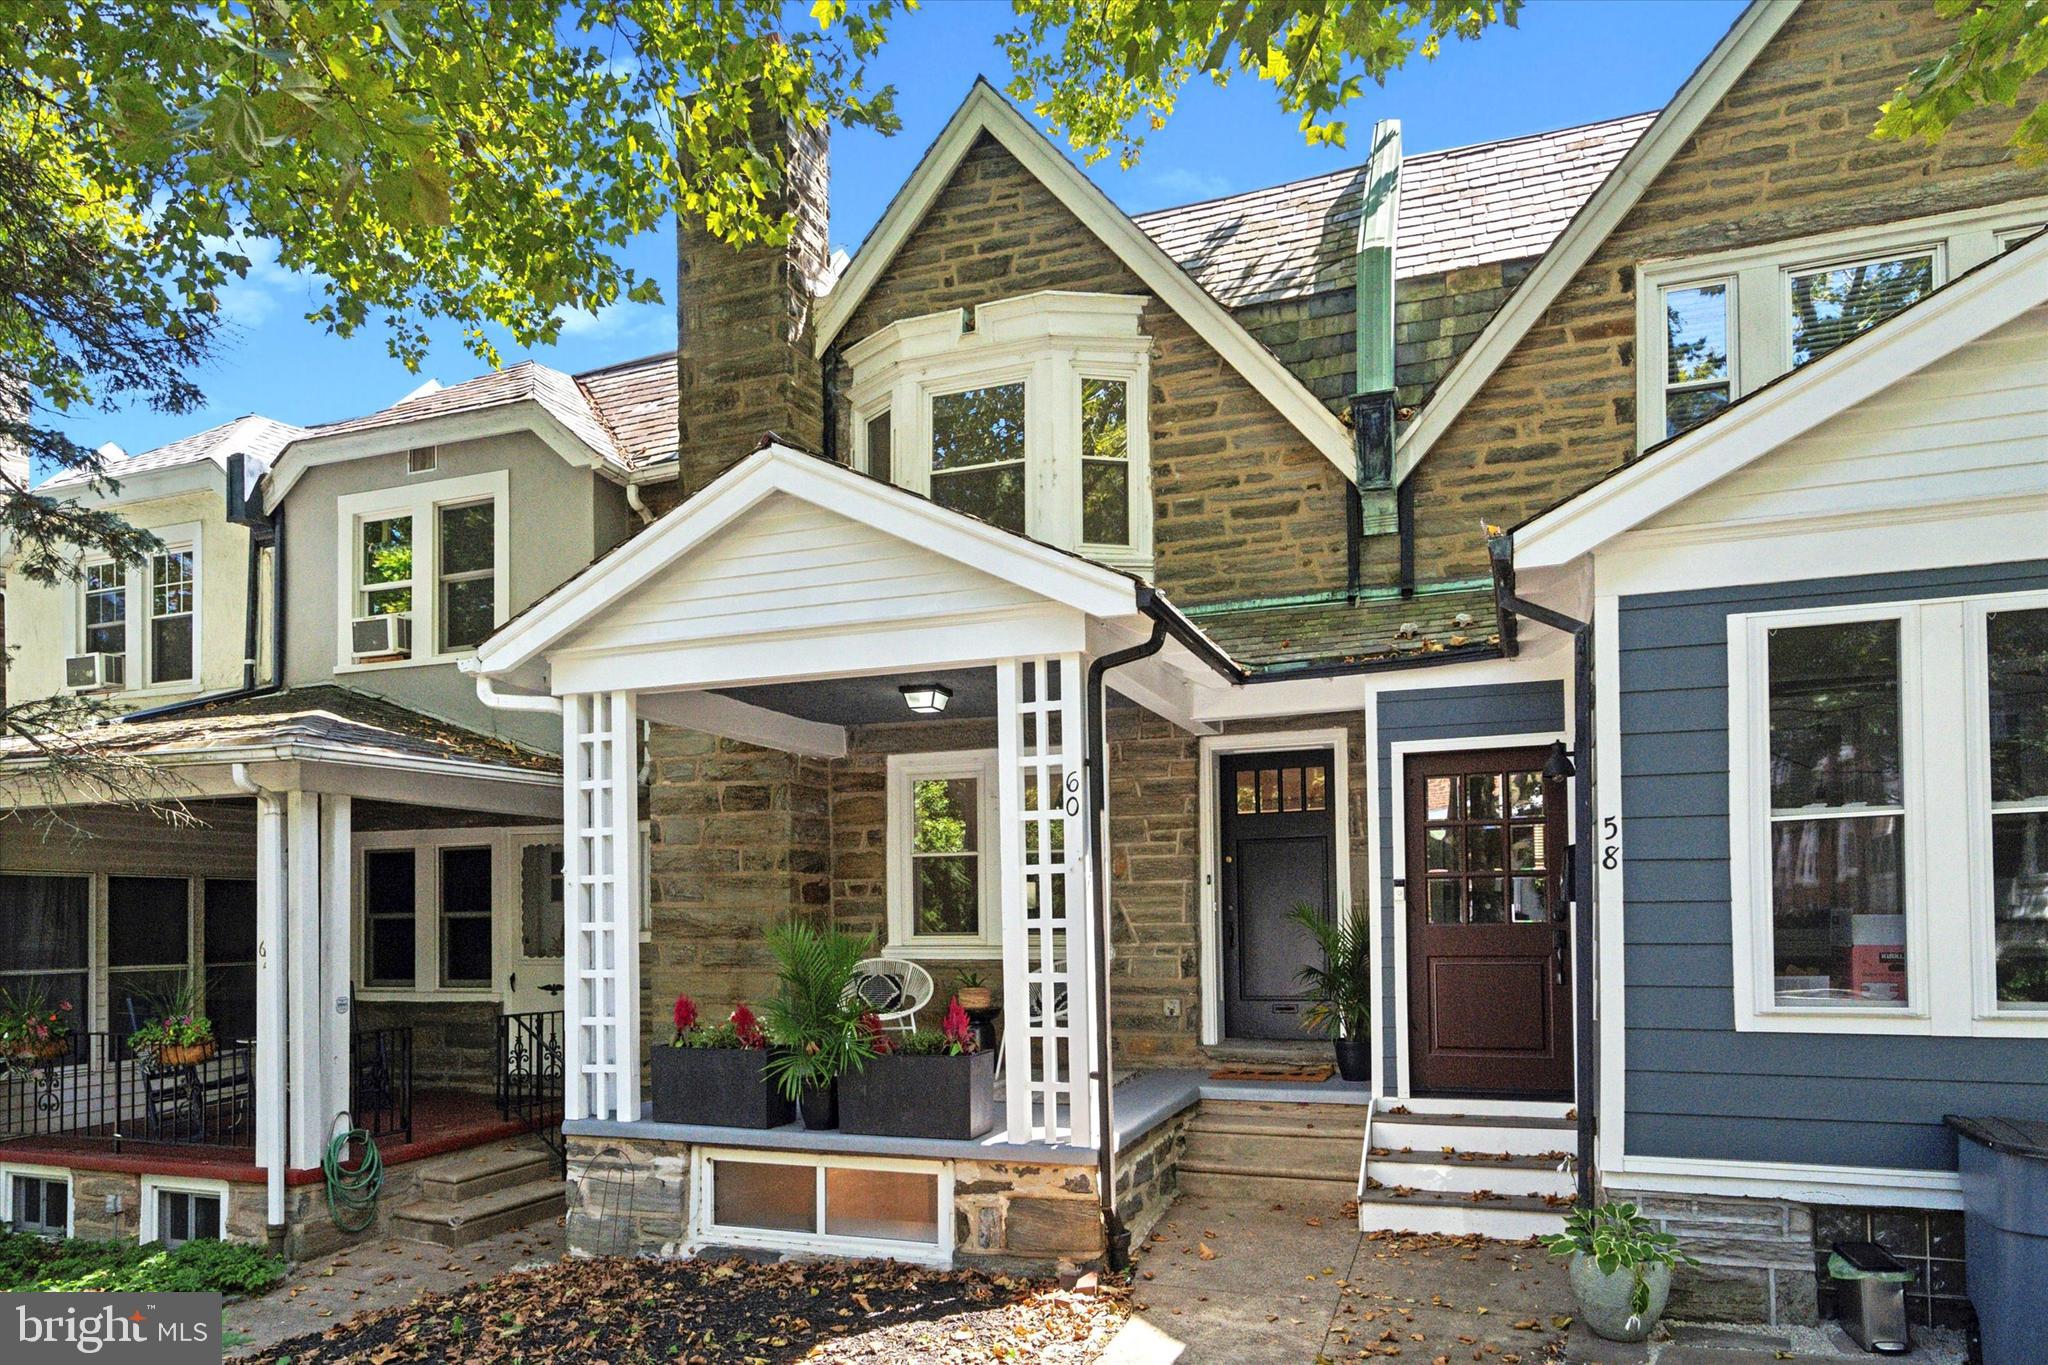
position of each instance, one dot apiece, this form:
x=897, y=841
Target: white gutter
x=271, y=1010
x=515, y=701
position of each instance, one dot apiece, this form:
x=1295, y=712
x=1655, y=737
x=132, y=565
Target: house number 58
x=1610, y=842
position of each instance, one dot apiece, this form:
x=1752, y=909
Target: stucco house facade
x=1610, y=560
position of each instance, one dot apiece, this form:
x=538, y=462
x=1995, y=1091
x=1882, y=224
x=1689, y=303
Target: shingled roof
x=1494, y=201
x=261, y=437
x=1273, y=639
x=528, y=381
x=637, y=400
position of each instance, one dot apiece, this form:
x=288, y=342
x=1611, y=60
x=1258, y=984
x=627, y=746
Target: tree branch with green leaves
x=1997, y=57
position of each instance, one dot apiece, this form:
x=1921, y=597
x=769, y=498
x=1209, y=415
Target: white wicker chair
x=894, y=990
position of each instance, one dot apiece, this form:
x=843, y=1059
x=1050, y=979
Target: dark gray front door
x=1279, y=851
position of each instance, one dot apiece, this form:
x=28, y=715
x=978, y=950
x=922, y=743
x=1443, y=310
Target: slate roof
x=323, y=715
x=1275, y=638
x=261, y=437
x=528, y=381
x=1494, y=201
x=637, y=401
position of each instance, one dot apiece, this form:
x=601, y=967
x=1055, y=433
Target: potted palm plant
x=815, y=1022
x=935, y=1083
x=1620, y=1268
x=717, y=1074
x=1340, y=989
x=178, y=1035
x=33, y=1028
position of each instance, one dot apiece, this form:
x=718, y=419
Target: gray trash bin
x=1872, y=1296
x=2004, y=1164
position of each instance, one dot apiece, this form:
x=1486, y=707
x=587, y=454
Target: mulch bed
x=700, y=1312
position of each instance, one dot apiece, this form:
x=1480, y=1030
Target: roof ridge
x=668, y=354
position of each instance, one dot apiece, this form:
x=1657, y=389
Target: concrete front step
x=1459, y=1215
x=460, y=1176
x=1334, y=1156
x=1198, y=1183
x=484, y=1215
x=1468, y=1173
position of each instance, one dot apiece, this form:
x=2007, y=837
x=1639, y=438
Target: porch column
x=308, y=1130
x=601, y=877
x=337, y=955
x=1047, y=893
x=270, y=998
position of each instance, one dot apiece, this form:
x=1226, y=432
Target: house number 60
x=1073, y=802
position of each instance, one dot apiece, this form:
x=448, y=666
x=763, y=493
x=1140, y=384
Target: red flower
x=878, y=1037
x=747, y=1027
x=957, y=1029
x=686, y=1013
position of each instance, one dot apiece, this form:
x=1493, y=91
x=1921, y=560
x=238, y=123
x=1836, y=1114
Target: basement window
x=797, y=1201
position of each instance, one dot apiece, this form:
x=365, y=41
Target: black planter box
x=930, y=1097
x=725, y=1087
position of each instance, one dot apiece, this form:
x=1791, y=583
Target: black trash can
x=2004, y=1164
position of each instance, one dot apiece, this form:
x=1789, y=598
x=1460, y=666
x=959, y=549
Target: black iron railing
x=380, y=1081
x=101, y=1090
x=530, y=1075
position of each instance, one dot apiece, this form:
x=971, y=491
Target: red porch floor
x=442, y=1121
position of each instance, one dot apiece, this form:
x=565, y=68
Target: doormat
x=1304, y=1075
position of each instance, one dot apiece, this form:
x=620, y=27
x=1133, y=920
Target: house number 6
x=1610, y=842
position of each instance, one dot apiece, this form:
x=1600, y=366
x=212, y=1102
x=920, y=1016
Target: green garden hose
x=352, y=1194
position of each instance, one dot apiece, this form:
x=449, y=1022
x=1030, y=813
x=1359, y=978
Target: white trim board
x=986, y=111
x=1209, y=921
x=1397, y=755
x=1993, y=295
x=1590, y=226
x=1873, y=1186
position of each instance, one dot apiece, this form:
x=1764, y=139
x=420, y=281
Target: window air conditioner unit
x=388, y=636
x=95, y=672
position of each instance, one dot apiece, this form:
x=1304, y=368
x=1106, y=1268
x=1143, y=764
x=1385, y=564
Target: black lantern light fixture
x=926, y=699
x=1557, y=764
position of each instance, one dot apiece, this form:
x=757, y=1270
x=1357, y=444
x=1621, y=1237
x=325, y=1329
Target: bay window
x=1033, y=419
x=1888, y=779
x=1711, y=329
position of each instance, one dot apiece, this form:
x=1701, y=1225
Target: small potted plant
x=935, y=1083
x=179, y=1035
x=973, y=992
x=717, y=1074
x=1620, y=1269
x=1340, y=990
x=815, y=1022
x=34, y=1029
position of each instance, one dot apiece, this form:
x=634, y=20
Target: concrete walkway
x=383, y=1274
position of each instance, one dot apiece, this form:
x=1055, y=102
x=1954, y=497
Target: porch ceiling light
x=1557, y=764
x=927, y=699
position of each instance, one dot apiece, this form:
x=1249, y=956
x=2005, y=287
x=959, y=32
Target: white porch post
x=270, y=998
x=1047, y=899
x=308, y=1131
x=337, y=954
x=601, y=871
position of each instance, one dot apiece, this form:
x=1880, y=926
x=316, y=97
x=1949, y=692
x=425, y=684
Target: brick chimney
x=744, y=323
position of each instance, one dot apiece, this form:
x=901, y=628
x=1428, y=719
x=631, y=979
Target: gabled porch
x=771, y=637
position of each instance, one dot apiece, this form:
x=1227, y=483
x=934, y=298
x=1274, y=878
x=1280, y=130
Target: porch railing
x=530, y=1081
x=380, y=1081
x=101, y=1090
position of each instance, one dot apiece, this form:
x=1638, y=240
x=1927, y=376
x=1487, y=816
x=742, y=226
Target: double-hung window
x=434, y=552
x=45, y=951
x=1712, y=329
x=173, y=608
x=1889, y=785
x=1033, y=419
x=942, y=856
x=105, y=615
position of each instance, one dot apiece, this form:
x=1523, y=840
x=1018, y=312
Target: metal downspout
x=1116, y=1237
x=1583, y=878
x=269, y=833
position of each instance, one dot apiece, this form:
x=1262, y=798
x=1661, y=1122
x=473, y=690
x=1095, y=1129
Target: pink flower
x=957, y=1029
x=878, y=1038
x=686, y=1013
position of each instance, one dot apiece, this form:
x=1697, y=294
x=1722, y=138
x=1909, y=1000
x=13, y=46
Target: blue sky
x=1570, y=61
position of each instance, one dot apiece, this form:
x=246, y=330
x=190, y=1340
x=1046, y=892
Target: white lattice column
x=1047, y=887
x=601, y=875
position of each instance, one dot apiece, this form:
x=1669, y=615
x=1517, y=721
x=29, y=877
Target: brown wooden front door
x=1489, y=942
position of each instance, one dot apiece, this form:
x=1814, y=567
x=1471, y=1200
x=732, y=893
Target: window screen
x=43, y=952
x=389, y=915
x=148, y=946
x=465, y=916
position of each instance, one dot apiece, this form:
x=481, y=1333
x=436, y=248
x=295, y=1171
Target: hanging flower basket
x=48, y=1050
x=185, y=1054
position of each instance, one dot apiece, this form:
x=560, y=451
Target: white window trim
x=13, y=1171
x=704, y=1232
x=1949, y=936
x=1048, y=341
x=153, y=1185
x=420, y=501
x=1989, y=1018
x=138, y=582
x=1759, y=325
x=904, y=941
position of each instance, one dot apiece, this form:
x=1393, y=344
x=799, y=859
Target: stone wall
x=1148, y=1176
x=454, y=1042
x=1239, y=496
x=1787, y=153
x=1755, y=1257
x=310, y=1231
